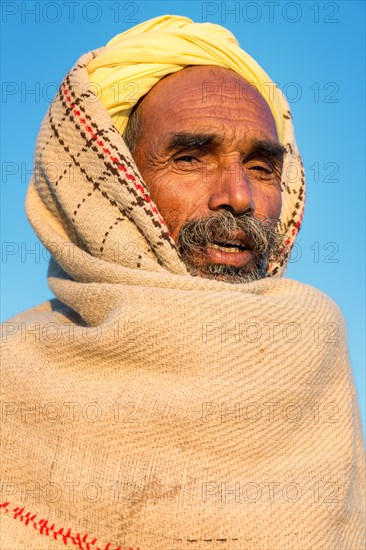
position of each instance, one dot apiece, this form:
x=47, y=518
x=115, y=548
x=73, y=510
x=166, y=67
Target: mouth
x=233, y=252
x=227, y=248
x=230, y=247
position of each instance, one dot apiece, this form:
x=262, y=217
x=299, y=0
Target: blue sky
x=313, y=50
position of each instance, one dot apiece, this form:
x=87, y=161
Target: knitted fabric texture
x=146, y=408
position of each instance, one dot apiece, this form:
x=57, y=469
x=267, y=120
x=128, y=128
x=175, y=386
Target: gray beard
x=196, y=234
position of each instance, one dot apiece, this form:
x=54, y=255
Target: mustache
x=259, y=235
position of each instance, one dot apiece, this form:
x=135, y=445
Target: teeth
x=229, y=243
x=236, y=242
x=226, y=248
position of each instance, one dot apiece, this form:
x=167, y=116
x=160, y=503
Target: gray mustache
x=260, y=235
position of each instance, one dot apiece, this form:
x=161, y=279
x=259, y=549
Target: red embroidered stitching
x=100, y=142
x=44, y=528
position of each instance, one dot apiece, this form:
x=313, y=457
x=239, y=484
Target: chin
x=229, y=273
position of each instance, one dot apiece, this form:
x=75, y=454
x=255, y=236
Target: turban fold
x=135, y=60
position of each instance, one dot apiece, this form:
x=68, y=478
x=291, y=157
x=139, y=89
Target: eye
x=261, y=169
x=186, y=158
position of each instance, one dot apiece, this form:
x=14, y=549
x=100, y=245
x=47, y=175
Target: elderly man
x=158, y=402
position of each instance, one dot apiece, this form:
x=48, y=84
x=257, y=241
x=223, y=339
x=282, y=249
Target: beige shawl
x=146, y=408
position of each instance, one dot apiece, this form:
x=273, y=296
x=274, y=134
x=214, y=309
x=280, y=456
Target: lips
x=228, y=255
x=235, y=242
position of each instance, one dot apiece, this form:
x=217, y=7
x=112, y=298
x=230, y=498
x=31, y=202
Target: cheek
x=268, y=201
x=170, y=199
x=163, y=190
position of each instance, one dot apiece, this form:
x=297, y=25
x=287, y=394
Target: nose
x=233, y=190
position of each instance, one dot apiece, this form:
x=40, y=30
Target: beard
x=259, y=242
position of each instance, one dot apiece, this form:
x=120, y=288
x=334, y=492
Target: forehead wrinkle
x=212, y=120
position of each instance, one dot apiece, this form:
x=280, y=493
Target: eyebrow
x=271, y=149
x=185, y=140
x=180, y=140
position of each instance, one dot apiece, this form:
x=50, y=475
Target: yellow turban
x=135, y=60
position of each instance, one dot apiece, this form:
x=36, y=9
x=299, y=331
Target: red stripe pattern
x=107, y=152
x=62, y=534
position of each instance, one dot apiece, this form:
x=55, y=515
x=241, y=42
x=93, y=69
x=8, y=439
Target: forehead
x=209, y=99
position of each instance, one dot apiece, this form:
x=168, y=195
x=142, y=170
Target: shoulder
x=296, y=295
x=51, y=311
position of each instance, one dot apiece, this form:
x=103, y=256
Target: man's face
x=210, y=156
